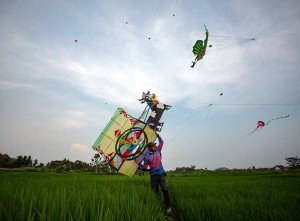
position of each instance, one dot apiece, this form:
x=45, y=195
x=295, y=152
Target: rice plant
x=256, y=197
x=44, y=196
x=84, y=196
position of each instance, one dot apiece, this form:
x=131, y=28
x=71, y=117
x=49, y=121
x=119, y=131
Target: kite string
x=257, y=104
x=188, y=122
x=241, y=40
x=244, y=38
x=183, y=119
x=276, y=36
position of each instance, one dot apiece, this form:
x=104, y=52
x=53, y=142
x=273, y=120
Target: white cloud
x=72, y=119
x=7, y=85
x=81, y=152
x=79, y=148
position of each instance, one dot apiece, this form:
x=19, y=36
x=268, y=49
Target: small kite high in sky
x=261, y=124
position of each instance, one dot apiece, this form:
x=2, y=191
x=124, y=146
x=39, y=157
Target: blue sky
x=57, y=95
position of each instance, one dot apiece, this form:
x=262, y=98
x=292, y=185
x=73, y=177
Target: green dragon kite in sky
x=199, y=48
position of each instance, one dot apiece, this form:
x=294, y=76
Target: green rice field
x=237, y=197
x=87, y=196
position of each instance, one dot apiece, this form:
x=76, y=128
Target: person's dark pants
x=160, y=180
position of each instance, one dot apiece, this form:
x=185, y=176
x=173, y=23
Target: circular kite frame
x=139, y=150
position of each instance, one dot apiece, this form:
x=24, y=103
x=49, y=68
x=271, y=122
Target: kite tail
x=277, y=119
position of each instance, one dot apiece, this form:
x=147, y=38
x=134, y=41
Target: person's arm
x=144, y=166
x=160, y=144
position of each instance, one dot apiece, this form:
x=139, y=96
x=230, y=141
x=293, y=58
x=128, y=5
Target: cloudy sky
x=57, y=95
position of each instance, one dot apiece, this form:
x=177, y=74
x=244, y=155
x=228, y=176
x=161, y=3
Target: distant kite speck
x=126, y=22
x=149, y=38
x=75, y=40
x=221, y=94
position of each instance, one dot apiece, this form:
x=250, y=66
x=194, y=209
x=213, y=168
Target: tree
x=293, y=162
x=100, y=164
x=64, y=165
x=35, y=162
x=96, y=161
x=80, y=166
x=6, y=161
x=29, y=161
x=20, y=162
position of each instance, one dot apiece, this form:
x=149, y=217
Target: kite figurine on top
x=199, y=48
x=157, y=108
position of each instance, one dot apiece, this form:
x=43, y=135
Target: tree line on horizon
x=97, y=164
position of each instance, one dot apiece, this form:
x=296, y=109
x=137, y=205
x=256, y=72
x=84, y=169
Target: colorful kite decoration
x=122, y=143
x=261, y=124
x=199, y=49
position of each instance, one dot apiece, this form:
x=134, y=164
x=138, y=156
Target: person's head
x=151, y=146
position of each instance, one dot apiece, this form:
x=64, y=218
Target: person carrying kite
x=199, y=48
x=157, y=172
